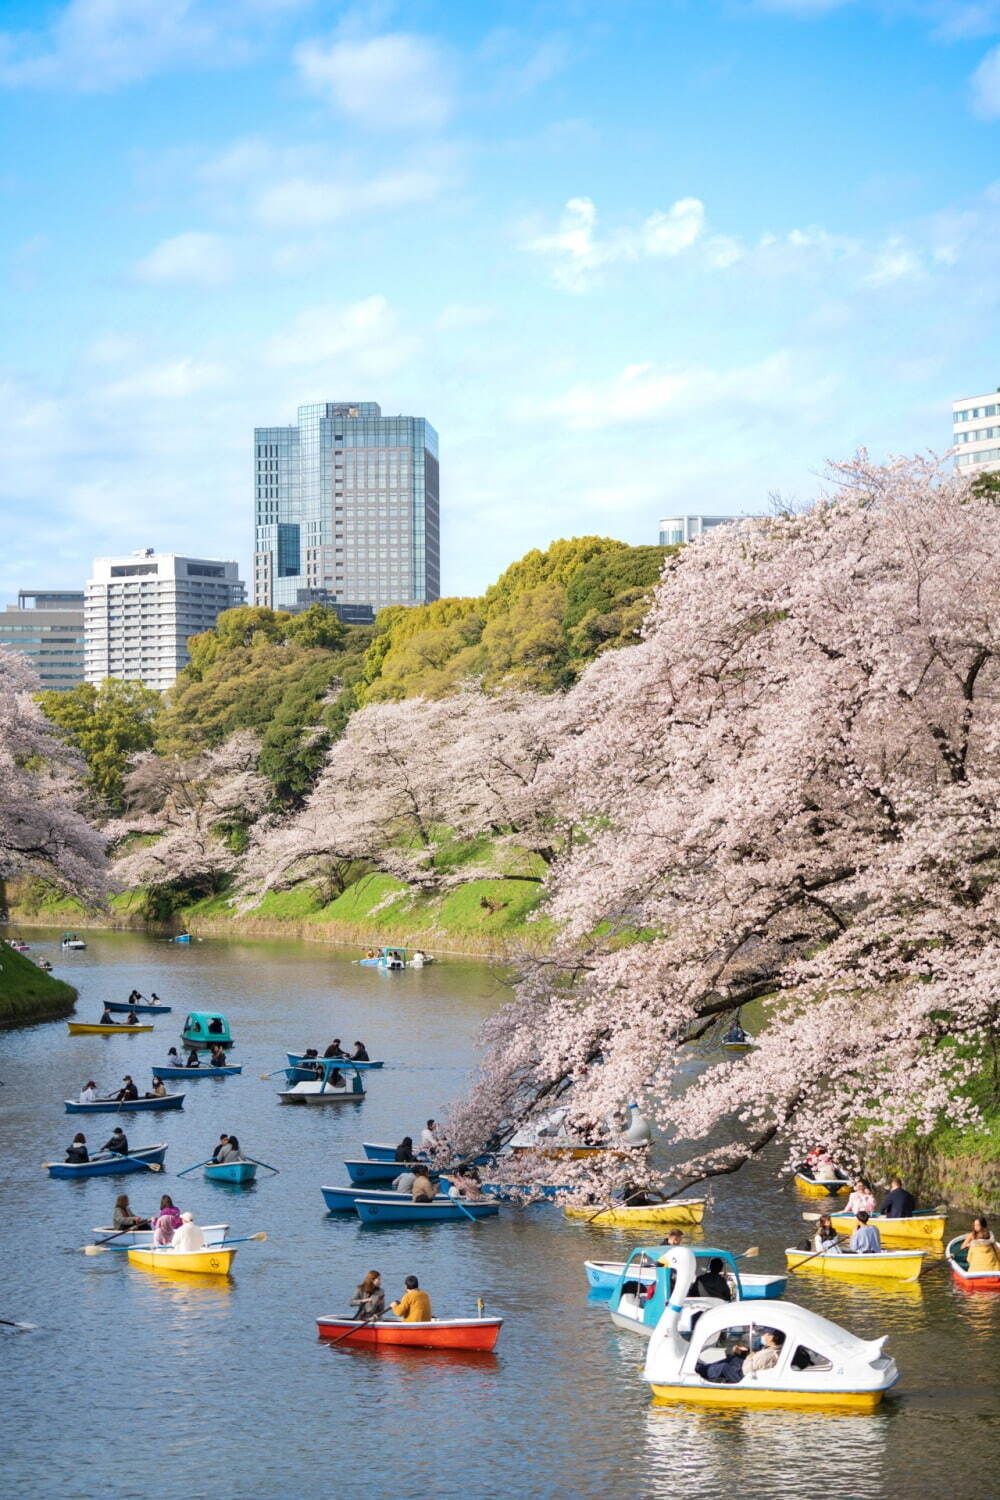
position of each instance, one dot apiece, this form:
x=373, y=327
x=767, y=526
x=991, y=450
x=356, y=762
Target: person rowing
x=125, y=1217
x=132, y=1019
x=128, y=1091
x=335, y=1049
x=369, y=1298
x=118, y=1144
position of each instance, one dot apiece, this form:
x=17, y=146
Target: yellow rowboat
x=679, y=1211
x=736, y=1395
x=894, y=1265
x=80, y=1028
x=209, y=1262
x=917, y=1230
x=813, y=1189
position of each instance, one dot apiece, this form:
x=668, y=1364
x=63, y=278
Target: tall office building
x=47, y=628
x=677, y=529
x=976, y=428
x=346, y=509
x=140, y=611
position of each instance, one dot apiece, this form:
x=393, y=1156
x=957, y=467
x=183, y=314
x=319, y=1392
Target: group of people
x=169, y=1225
x=414, y=1306
x=125, y=1095
x=77, y=1152
x=228, y=1149
x=107, y=1019
x=360, y=1053
x=216, y=1057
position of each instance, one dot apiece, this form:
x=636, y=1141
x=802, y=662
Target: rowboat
x=816, y=1189
x=678, y=1211
x=141, y=1007
x=180, y=937
x=376, y=1151
x=745, y=1043
x=916, y=1230
x=969, y=1281
x=604, y=1275
x=300, y=1061
x=206, y=1028
x=108, y=1163
x=212, y=1261
x=342, y=1199
x=105, y=1106
x=231, y=1171
x=478, y=1334
x=202, y=1071
x=117, y=1028
x=142, y=1239
x=368, y=1172
x=893, y=1265
x=392, y=1209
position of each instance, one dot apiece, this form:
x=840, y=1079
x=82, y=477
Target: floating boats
x=604, y=1275
x=891, y=1265
x=677, y=1211
x=116, y=1028
x=206, y=1028
x=378, y=1152
x=212, y=1261
x=300, y=1061
x=341, y=1200
x=106, y=1106
x=231, y=1171
x=386, y=958
x=552, y=1137
x=180, y=937
x=915, y=1230
x=364, y=1173
x=479, y=1334
x=969, y=1281
x=393, y=1208
x=338, y=1083
x=820, y=1365
x=109, y=1163
x=71, y=941
x=814, y=1188
x=141, y=1007
x=44, y=965
x=142, y=1239
x=642, y=1291
x=737, y=1039
x=203, y=1070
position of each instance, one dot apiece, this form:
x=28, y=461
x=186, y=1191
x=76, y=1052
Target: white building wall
x=976, y=433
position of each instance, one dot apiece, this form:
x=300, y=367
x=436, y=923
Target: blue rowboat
x=204, y=1071
x=366, y=1173
x=300, y=1061
x=112, y=1106
x=181, y=937
x=376, y=1152
x=231, y=1171
x=528, y=1193
x=389, y=1208
x=141, y=1008
x=108, y=1164
x=343, y=1199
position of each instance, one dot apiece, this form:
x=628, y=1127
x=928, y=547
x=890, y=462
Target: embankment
x=27, y=994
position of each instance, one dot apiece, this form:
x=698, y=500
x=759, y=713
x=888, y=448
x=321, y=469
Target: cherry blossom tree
x=42, y=829
x=790, y=793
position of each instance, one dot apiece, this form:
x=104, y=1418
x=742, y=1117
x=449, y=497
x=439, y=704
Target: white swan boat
x=819, y=1364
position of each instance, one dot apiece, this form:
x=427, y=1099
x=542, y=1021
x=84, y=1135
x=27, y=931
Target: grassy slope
x=27, y=994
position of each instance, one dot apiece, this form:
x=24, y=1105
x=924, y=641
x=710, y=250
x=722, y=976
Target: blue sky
x=630, y=260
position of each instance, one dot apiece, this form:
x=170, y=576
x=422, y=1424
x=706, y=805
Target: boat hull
x=478, y=1334
x=813, y=1189
x=299, y=1061
x=231, y=1171
x=112, y=1106
x=106, y=1164
x=682, y=1211
x=370, y=1172
x=170, y=1071
x=140, y=1009
x=387, y=1210
x=888, y=1265
x=82, y=1028
x=917, y=1230
x=211, y=1261
x=305, y=1093
x=735, y=1395
x=343, y=1199
x=969, y=1281
x=142, y=1239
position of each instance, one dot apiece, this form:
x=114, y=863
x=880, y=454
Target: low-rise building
x=975, y=424
x=46, y=626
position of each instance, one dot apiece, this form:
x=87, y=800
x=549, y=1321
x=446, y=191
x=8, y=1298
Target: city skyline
x=661, y=263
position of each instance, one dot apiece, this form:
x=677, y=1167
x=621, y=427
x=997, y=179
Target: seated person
x=77, y=1151
x=414, y=1306
x=422, y=1190
x=118, y=1143
x=982, y=1253
x=360, y=1053
x=865, y=1240
x=310, y=1052
x=826, y=1237
x=215, y=1026
x=192, y=1059
x=335, y=1049
x=713, y=1283
x=897, y=1203
x=404, y=1182
x=174, y=1058
x=217, y=1056
x=158, y=1090
x=335, y=1078
x=132, y=1019
x=128, y=1091
x=107, y=1019
x=741, y=1362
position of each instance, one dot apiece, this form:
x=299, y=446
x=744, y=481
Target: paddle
x=361, y=1323
x=465, y=1211
x=23, y=1327
x=245, y=1239
x=749, y=1254
x=95, y=1247
x=195, y=1167
x=265, y=1076
x=265, y=1164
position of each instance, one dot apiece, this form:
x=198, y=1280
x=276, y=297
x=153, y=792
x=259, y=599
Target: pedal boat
x=969, y=1281
x=829, y=1188
x=916, y=1230
x=478, y=1334
x=206, y=1028
x=891, y=1265
x=212, y=1261
x=604, y=1275
x=820, y=1366
x=322, y=1090
x=677, y=1211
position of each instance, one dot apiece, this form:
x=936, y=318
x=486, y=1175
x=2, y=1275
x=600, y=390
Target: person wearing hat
x=118, y=1142
x=128, y=1091
x=189, y=1237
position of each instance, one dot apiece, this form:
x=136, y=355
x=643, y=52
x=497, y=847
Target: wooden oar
x=361, y=1323
x=153, y=1166
x=257, y=1163
x=23, y=1327
x=749, y=1254
x=195, y=1167
x=825, y=1251
x=244, y=1239
x=95, y=1247
x=265, y=1076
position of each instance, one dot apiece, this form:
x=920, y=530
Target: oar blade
x=94, y=1250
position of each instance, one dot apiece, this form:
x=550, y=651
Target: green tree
x=108, y=725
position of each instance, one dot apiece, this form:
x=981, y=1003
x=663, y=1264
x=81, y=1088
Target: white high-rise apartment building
x=140, y=610
x=976, y=427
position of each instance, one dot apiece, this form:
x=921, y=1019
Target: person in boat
x=866, y=1239
x=76, y=1151
x=134, y=997
x=735, y=1032
x=107, y=1019
x=223, y=1143
x=192, y=1059
x=422, y=1190
x=825, y=1169
x=825, y=1237
x=429, y=1140
x=215, y=1026
x=897, y=1203
x=132, y=1019
x=369, y=1298
x=167, y=1221
x=731, y=1370
x=980, y=1231
x=128, y=1091
x=465, y=1183
x=982, y=1252
x=188, y=1237
x=414, y=1306
x=154, y=998
x=310, y=1052
x=88, y=1094
x=217, y=1056
x=712, y=1282
x=118, y=1143
x=404, y=1151
x=158, y=1091
x=230, y=1151
x=360, y=1053
x=335, y=1049
x=860, y=1197
x=404, y=1182
x=124, y=1216
x=173, y=1058
x=634, y=1196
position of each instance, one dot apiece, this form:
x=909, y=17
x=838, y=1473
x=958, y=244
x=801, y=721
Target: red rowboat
x=442, y=1333
x=969, y=1281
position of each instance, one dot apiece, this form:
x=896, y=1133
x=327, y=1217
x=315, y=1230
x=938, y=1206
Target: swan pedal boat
x=105, y=1106
x=343, y=1199
x=142, y=1239
x=916, y=1230
x=969, y=1281
x=642, y=1291
x=117, y=1028
x=829, y=1188
x=892, y=1265
x=678, y=1211
x=204, y=1070
x=820, y=1365
x=231, y=1171
x=604, y=1275
x=108, y=1163
x=479, y=1334
x=141, y=1007
x=212, y=1261
x=391, y=1208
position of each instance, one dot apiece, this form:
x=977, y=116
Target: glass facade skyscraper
x=346, y=508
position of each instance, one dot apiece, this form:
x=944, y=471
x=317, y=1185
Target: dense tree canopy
x=108, y=725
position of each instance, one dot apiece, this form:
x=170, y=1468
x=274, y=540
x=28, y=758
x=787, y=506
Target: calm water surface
x=140, y=1385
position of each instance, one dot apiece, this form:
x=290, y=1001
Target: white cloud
x=110, y=349
x=577, y=252
x=304, y=202
x=202, y=258
x=986, y=86
x=363, y=337
x=894, y=261
x=173, y=381
x=394, y=82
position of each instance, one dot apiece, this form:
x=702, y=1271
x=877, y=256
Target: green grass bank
x=28, y=994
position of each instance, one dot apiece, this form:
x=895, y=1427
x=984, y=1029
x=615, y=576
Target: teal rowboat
x=231, y=1171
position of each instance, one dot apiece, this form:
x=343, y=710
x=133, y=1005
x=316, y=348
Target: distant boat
x=70, y=940
x=204, y=1070
x=108, y=1163
x=231, y=1171
x=114, y=1028
x=106, y=1106
x=141, y=1007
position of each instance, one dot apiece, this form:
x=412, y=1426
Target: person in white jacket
x=189, y=1237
